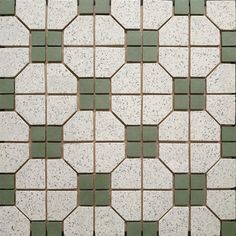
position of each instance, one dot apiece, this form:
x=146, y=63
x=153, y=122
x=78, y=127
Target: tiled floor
x=117, y=117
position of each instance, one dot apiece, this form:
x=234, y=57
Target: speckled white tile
x=175, y=156
x=79, y=156
x=156, y=175
x=175, y=32
x=32, y=204
x=60, y=204
x=175, y=222
x=127, y=204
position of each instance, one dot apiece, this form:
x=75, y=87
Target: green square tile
x=7, y=85
x=181, y=86
x=134, y=149
x=149, y=133
x=149, y=149
x=181, y=7
x=86, y=86
x=7, y=181
x=54, y=54
x=229, y=38
x=7, y=102
x=228, y=54
x=37, y=133
x=149, y=54
x=102, y=198
x=38, y=38
x=54, y=38
x=197, y=102
x=134, y=38
x=38, y=54
x=181, y=102
x=86, y=181
x=181, y=197
x=102, y=181
x=197, y=7
x=228, y=228
x=229, y=149
x=134, y=229
x=102, y=86
x=181, y=181
x=102, y=102
x=54, y=150
x=54, y=229
x=134, y=133
x=7, y=7
x=102, y=6
x=38, y=228
x=197, y=197
x=86, y=197
x=7, y=197
x=86, y=102
x=134, y=54
x=150, y=38
x=149, y=229
x=198, y=181
x=38, y=150
x=229, y=133
x=54, y=133
x=85, y=6
x=198, y=86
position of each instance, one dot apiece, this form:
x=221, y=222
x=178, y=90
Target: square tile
x=38, y=228
x=198, y=181
x=86, y=102
x=102, y=102
x=134, y=54
x=102, y=6
x=181, y=86
x=181, y=181
x=228, y=54
x=86, y=6
x=54, y=229
x=181, y=102
x=38, y=54
x=198, y=86
x=149, y=229
x=86, y=181
x=149, y=149
x=7, y=181
x=7, y=86
x=149, y=54
x=181, y=7
x=102, y=198
x=134, y=149
x=149, y=133
x=7, y=102
x=102, y=86
x=228, y=228
x=229, y=133
x=54, y=133
x=54, y=54
x=133, y=133
x=38, y=133
x=229, y=149
x=181, y=197
x=228, y=38
x=7, y=197
x=38, y=150
x=150, y=38
x=54, y=38
x=197, y=7
x=134, y=38
x=133, y=229
x=54, y=150
x=86, y=198
x=7, y=7
x=197, y=102
x=102, y=181
x=86, y=86
x=197, y=197
x=38, y=38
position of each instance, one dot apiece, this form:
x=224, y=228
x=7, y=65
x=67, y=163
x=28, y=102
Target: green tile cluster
x=94, y=94
x=94, y=189
x=7, y=94
x=46, y=141
x=228, y=134
x=189, y=94
x=189, y=189
x=137, y=229
x=7, y=7
x=87, y=7
x=50, y=228
x=7, y=189
x=46, y=46
x=141, y=141
x=228, y=228
x=228, y=49
x=189, y=7
x=141, y=46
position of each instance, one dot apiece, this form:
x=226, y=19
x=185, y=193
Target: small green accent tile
x=38, y=150
x=198, y=181
x=86, y=86
x=7, y=181
x=7, y=86
x=181, y=7
x=134, y=38
x=133, y=229
x=7, y=102
x=86, y=102
x=102, y=102
x=229, y=133
x=134, y=133
x=181, y=181
x=37, y=133
x=134, y=149
x=7, y=7
x=149, y=133
x=54, y=54
x=38, y=228
x=134, y=54
x=38, y=38
x=149, y=54
x=54, y=150
x=181, y=197
x=86, y=181
x=181, y=86
x=7, y=197
x=181, y=102
x=149, y=149
x=228, y=228
x=229, y=38
x=149, y=229
x=197, y=102
x=86, y=197
x=54, y=38
x=198, y=86
x=85, y=6
x=102, y=181
x=102, y=7
x=228, y=54
x=150, y=38
x=197, y=7
x=229, y=149
x=54, y=133
x=197, y=197
x=102, y=198
x=102, y=86
x=54, y=229
x=38, y=54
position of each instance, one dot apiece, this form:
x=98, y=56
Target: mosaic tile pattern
x=117, y=118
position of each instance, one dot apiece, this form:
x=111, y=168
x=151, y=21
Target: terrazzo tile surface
x=117, y=118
